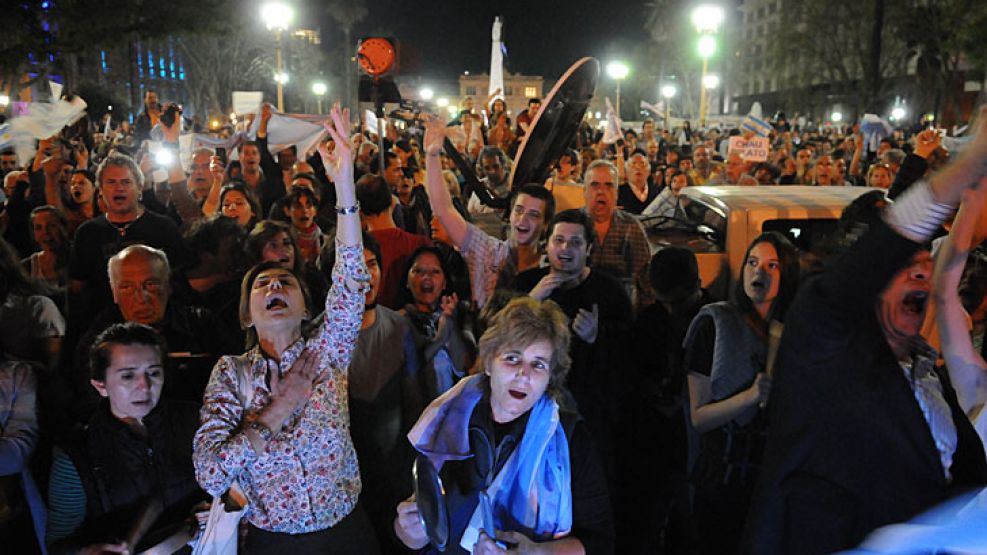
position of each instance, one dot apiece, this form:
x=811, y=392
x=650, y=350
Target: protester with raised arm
x=492, y=262
x=865, y=429
x=276, y=419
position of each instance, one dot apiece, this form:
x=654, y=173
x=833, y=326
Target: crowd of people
x=289, y=331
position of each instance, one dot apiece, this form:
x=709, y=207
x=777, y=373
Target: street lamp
x=836, y=117
x=668, y=92
x=319, y=89
x=426, y=93
x=711, y=81
x=618, y=72
x=442, y=102
x=277, y=17
x=707, y=19
x=898, y=113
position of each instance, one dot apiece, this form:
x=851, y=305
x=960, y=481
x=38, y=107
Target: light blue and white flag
x=755, y=122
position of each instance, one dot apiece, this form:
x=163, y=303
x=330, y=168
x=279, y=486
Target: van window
x=807, y=235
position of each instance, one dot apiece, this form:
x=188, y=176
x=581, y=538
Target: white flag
x=496, y=62
x=657, y=109
x=612, y=133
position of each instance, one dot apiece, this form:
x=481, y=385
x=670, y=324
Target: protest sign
x=755, y=149
x=247, y=102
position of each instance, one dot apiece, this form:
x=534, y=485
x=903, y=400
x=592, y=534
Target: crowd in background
x=669, y=383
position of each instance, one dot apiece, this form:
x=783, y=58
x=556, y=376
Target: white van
x=720, y=221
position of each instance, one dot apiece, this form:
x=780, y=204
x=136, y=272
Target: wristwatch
x=263, y=431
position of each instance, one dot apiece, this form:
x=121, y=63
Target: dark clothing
x=730, y=456
x=97, y=240
x=271, y=187
x=629, y=202
x=195, y=339
x=652, y=501
x=142, y=128
x=385, y=401
x=912, y=169
x=121, y=471
x=492, y=444
x=417, y=214
x=351, y=536
x=223, y=300
x=596, y=376
x=849, y=449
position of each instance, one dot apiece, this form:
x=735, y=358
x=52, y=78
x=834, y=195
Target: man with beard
x=492, y=262
x=601, y=316
x=623, y=249
x=703, y=168
x=8, y=162
x=865, y=430
x=385, y=400
x=492, y=164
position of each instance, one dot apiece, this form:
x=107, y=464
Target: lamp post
x=319, y=89
x=668, y=92
x=277, y=17
x=707, y=19
x=426, y=93
x=618, y=72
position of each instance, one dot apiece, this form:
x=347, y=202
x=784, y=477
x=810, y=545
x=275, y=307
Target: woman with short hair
x=501, y=433
x=135, y=450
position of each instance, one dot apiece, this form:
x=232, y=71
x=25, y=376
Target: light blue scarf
x=532, y=492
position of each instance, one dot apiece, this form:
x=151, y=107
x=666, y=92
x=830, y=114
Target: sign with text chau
x=754, y=149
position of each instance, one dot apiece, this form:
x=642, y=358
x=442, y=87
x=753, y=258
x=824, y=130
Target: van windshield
x=694, y=225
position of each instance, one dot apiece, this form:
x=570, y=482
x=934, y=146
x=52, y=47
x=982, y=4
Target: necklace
x=122, y=228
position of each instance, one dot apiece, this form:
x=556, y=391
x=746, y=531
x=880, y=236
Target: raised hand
x=926, y=142
x=216, y=168
x=339, y=162
x=435, y=134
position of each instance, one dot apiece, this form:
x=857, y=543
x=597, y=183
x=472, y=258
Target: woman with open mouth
x=438, y=321
x=275, y=420
x=725, y=360
x=501, y=436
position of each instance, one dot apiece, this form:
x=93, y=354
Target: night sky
x=441, y=39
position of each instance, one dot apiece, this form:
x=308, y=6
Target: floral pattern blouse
x=307, y=477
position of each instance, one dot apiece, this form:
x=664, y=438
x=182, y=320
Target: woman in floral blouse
x=275, y=419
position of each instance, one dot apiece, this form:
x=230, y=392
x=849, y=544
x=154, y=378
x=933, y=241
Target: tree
x=672, y=54
x=948, y=38
x=24, y=45
x=839, y=49
x=346, y=14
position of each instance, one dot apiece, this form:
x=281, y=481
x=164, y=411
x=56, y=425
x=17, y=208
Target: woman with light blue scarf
x=501, y=432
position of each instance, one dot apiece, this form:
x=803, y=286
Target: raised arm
x=216, y=170
x=858, y=151
x=344, y=303
x=438, y=195
x=967, y=368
